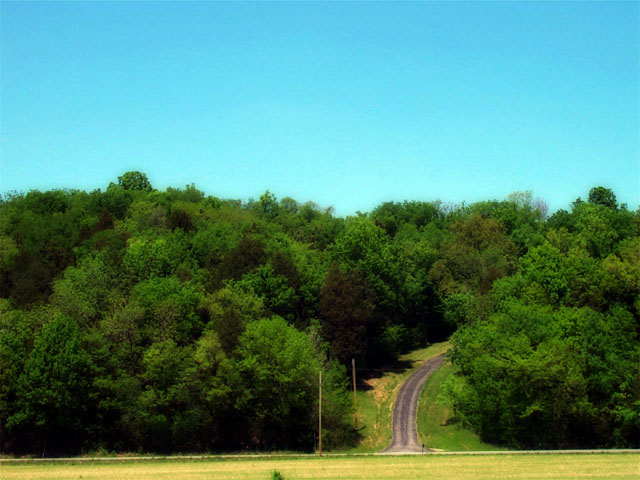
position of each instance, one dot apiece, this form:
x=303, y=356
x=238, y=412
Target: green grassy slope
x=437, y=428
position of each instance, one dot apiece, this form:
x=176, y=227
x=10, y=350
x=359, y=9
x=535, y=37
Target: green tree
x=171, y=309
x=424, y=313
x=273, y=289
x=135, y=180
x=217, y=382
x=44, y=239
x=597, y=230
x=278, y=366
x=160, y=257
x=537, y=377
x=166, y=399
x=621, y=275
x=269, y=204
x=289, y=205
x=85, y=292
x=391, y=216
x=55, y=386
x=365, y=247
x=603, y=196
x=347, y=314
x=181, y=219
x=230, y=310
x=245, y=257
x=209, y=245
x=546, y=267
x=478, y=254
x=16, y=337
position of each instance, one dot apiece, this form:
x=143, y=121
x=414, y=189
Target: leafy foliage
x=347, y=314
x=53, y=390
x=554, y=359
x=277, y=365
x=134, y=181
x=138, y=319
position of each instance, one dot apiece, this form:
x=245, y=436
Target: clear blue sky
x=344, y=104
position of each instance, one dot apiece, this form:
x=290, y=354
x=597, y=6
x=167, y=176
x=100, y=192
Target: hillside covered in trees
x=134, y=319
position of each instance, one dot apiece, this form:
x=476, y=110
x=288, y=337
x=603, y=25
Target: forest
x=139, y=320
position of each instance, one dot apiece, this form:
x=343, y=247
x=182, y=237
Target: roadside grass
x=603, y=466
x=377, y=398
x=437, y=427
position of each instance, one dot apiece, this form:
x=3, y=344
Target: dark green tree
x=230, y=310
x=179, y=218
x=245, y=257
x=135, y=180
x=55, y=387
x=603, y=196
x=16, y=337
x=347, y=314
x=365, y=247
x=478, y=254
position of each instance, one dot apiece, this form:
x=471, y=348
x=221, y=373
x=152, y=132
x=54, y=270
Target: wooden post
x=320, y=414
x=355, y=398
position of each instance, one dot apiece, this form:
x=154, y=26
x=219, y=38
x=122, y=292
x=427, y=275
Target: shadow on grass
x=452, y=421
x=365, y=374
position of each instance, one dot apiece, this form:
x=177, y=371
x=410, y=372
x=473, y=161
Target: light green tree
x=278, y=366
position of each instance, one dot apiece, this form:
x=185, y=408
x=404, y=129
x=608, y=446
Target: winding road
x=405, y=433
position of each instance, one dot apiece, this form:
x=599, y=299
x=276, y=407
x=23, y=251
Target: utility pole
x=355, y=398
x=320, y=414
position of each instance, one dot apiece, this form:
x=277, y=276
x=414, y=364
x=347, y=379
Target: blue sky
x=344, y=104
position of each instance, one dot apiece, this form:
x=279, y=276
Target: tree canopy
x=134, y=319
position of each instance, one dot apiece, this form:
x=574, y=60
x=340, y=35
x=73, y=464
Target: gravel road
x=405, y=433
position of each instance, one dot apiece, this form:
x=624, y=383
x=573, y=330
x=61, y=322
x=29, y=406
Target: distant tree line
x=133, y=319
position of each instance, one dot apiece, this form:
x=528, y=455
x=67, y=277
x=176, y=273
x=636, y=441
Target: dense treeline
x=549, y=355
x=135, y=319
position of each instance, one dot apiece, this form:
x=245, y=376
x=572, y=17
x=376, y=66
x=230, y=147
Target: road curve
x=405, y=432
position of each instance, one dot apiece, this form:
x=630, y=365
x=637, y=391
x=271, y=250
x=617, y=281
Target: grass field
x=566, y=467
x=436, y=428
x=375, y=405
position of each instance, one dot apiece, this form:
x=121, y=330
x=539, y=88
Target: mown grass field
x=554, y=466
x=375, y=404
